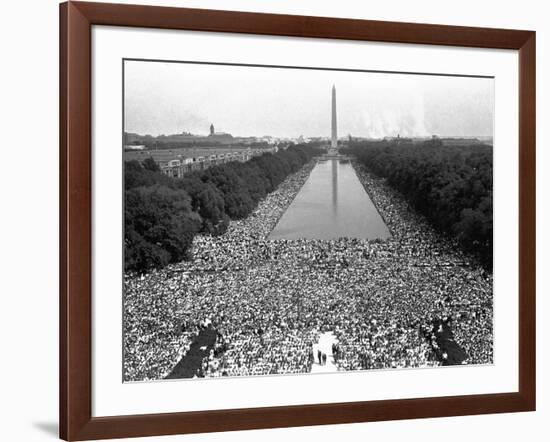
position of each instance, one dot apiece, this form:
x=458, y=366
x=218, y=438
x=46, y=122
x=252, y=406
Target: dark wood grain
x=63, y=200
x=76, y=19
x=305, y=415
x=299, y=26
x=527, y=220
x=75, y=223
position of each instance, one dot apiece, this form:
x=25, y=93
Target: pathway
x=191, y=364
x=325, y=345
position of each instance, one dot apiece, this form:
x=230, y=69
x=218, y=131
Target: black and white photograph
x=295, y=220
x=266, y=221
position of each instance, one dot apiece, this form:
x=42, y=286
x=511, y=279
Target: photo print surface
x=295, y=220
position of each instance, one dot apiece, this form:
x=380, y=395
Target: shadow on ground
x=50, y=428
x=191, y=364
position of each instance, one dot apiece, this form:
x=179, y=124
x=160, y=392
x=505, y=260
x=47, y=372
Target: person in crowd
x=270, y=300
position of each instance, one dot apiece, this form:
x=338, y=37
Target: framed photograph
x=274, y=220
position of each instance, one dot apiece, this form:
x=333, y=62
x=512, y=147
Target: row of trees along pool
x=452, y=186
x=162, y=214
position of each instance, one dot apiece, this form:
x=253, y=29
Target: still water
x=331, y=204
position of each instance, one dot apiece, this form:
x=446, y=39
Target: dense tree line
x=451, y=185
x=162, y=214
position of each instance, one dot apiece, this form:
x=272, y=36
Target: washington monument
x=334, y=134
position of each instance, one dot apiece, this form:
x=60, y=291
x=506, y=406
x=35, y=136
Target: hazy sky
x=167, y=98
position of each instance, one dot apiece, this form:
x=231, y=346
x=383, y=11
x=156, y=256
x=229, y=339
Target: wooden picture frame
x=76, y=21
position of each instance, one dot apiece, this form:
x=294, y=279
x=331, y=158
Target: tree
x=150, y=164
x=450, y=185
x=159, y=227
x=135, y=175
x=208, y=201
x=162, y=213
x=237, y=201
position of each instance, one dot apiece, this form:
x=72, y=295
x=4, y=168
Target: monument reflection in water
x=331, y=204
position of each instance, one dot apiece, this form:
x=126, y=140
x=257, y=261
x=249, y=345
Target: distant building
x=177, y=167
x=221, y=137
x=399, y=139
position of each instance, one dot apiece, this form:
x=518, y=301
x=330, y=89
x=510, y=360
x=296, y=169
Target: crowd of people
x=269, y=300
